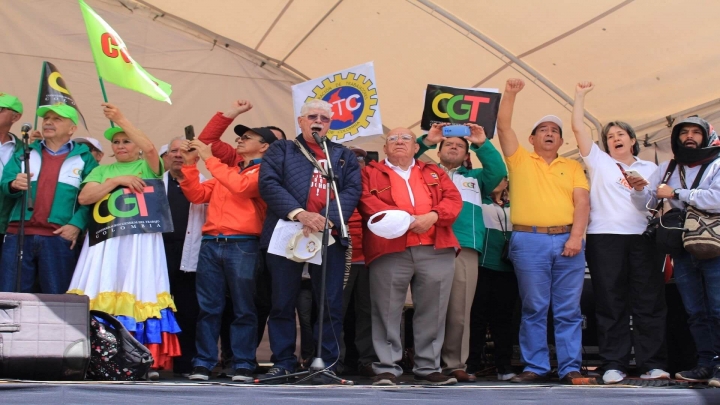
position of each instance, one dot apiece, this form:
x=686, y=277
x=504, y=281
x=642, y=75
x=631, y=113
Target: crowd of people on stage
x=439, y=236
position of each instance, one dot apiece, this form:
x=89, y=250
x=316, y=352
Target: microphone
x=26, y=127
x=317, y=138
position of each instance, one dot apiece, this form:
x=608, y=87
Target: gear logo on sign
x=353, y=102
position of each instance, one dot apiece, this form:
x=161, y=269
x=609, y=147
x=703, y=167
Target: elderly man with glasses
x=422, y=258
x=295, y=190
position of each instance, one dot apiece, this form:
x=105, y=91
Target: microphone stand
x=317, y=367
x=26, y=203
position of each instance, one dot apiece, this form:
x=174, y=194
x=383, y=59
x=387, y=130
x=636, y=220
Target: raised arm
x=508, y=139
x=136, y=135
x=213, y=131
x=582, y=135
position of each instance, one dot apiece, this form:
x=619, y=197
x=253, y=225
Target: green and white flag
x=113, y=61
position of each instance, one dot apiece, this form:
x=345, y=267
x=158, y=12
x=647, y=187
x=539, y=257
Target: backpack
x=115, y=355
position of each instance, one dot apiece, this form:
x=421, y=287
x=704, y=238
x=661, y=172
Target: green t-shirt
x=139, y=168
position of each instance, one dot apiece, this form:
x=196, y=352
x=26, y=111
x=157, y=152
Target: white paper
x=283, y=232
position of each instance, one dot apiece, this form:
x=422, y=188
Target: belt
x=550, y=230
x=228, y=239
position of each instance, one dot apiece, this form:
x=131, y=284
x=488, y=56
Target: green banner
x=113, y=60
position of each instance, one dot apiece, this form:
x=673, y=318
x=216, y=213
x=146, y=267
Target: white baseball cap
x=549, y=118
x=301, y=248
x=392, y=224
x=163, y=149
x=92, y=141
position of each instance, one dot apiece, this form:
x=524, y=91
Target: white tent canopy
x=648, y=59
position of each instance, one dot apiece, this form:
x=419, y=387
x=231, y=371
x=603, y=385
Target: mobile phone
x=456, y=130
x=189, y=133
x=633, y=173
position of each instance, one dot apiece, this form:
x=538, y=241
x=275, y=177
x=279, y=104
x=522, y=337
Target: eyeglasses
x=360, y=159
x=395, y=138
x=246, y=137
x=313, y=117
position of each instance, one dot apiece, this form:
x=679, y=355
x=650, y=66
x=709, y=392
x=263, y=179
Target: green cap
x=60, y=109
x=11, y=102
x=110, y=132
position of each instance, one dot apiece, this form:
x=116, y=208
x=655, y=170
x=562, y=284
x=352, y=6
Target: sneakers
x=385, y=379
x=436, y=378
x=698, y=374
x=656, y=374
x=715, y=380
x=277, y=372
x=200, y=373
x=243, y=375
x=153, y=375
x=614, y=376
x=322, y=379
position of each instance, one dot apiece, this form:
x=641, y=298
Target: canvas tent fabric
x=648, y=59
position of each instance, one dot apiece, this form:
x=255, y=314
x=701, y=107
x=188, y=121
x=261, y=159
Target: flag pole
x=40, y=85
x=102, y=87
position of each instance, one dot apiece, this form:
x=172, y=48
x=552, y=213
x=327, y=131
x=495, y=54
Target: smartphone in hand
x=633, y=173
x=456, y=130
x=190, y=135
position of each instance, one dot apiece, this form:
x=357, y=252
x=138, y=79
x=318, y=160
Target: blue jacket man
x=294, y=190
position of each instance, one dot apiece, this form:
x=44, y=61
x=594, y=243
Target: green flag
x=113, y=61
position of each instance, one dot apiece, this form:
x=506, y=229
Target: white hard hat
x=392, y=224
x=301, y=248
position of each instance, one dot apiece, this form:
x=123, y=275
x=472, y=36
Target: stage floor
x=178, y=391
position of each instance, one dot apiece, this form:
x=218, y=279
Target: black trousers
x=495, y=299
x=627, y=279
x=182, y=288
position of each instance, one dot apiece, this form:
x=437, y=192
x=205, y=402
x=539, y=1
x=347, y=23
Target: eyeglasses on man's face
x=313, y=117
x=395, y=138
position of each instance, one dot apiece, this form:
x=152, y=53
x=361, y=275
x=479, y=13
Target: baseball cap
x=301, y=248
x=549, y=118
x=391, y=223
x=164, y=149
x=90, y=141
x=10, y=102
x=110, y=132
x=266, y=133
x=60, y=109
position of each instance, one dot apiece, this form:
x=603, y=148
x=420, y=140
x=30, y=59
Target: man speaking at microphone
x=296, y=191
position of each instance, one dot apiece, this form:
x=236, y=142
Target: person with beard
x=469, y=229
x=549, y=216
x=625, y=266
x=295, y=190
x=182, y=248
x=695, y=147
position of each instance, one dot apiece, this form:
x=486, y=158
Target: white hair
x=316, y=104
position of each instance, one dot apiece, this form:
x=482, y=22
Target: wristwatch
x=676, y=194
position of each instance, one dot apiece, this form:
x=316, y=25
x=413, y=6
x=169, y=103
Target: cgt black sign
x=460, y=106
x=123, y=212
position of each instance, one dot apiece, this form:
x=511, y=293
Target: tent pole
x=547, y=83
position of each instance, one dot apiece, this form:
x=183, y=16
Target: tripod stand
x=318, y=367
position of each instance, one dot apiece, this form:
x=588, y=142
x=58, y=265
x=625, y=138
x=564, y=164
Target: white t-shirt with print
x=611, y=210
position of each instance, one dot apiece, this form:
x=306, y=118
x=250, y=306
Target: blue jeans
x=698, y=282
x=545, y=278
x=286, y=280
x=226, y=266
x=49, y=258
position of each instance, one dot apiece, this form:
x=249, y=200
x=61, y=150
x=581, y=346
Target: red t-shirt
x=318, y=184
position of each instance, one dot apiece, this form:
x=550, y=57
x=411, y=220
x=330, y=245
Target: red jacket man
x=422, y=258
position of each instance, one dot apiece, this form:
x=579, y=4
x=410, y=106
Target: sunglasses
x=313, y=117
x=395, y=138
x=246, y=137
